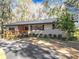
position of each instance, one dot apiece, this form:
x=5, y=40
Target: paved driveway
x=38, y=49
x=26, y=50
x=31, y=52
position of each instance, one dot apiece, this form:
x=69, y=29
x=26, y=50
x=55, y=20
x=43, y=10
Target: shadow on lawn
x=35, y=52
x=37, y=49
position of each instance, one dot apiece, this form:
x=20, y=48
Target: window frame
x=42, y=25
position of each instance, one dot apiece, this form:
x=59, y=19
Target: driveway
x=26, y=50
x=31, y=52
x=38, y=49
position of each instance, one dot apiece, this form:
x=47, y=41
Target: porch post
x=29, y=29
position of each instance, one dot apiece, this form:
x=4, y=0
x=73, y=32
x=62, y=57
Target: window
x=37, y=27
x=11, y=29
x=54, y=25
x=26, y=28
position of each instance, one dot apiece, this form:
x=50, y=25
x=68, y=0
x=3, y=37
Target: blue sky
x=51, y=3
x=13, y=4
x=37, y=1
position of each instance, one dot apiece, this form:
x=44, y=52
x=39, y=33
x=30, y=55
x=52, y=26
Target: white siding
x=48, y=30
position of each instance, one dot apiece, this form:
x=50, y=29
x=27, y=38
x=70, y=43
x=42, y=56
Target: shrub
x=64, y=38
x=54, y=36
x=45, y=36
x=50, y=35
x=72, y=38
x=33, y=34
x=30, y=34
x=60, y=36
x=41, y=35
x=36, y=35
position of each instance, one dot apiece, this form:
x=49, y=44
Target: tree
x=75, y=3
x=65, y=19
x=25, y=13
x=56, y=11
x=66, y=23
x=22, y=11
x=5, y=12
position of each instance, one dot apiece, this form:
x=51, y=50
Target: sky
x=37, y=3
x=51, y=2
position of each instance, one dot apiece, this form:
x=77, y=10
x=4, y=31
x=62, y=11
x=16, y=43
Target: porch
x=46, y=27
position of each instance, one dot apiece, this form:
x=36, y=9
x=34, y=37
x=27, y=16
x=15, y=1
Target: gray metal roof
x=45, y=21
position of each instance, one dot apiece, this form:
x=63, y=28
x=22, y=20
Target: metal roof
x=45, y=21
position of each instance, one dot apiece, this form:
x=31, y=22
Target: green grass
x=45, y=39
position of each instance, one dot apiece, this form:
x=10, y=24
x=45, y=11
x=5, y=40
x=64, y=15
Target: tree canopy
x=73, y=2
x=5, y=10
x=66, y=22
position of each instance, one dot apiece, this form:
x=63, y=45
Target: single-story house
x=40, y=27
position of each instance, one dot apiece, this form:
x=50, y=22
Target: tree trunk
x=2, y=29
